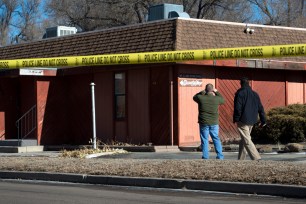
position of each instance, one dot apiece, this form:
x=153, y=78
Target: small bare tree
x=26, y=23
x=96, y=14
x=281, y=12
x=20, y=21
x=7, y=9
x=86, y=14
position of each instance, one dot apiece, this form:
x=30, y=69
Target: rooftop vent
x=59, y=31
x=165, y=11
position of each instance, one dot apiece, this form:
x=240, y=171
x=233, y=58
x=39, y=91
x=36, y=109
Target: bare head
x=209, y=88
x=244, y=82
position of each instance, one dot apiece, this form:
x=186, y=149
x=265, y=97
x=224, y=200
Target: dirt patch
x=272, y=172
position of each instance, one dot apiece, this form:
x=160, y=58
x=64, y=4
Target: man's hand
x=215, y=90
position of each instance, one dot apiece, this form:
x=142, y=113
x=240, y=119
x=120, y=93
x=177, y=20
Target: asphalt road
x=25, y=192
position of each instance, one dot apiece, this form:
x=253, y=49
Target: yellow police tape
x=161, y=57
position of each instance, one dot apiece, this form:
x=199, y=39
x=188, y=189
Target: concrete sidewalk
x=293, y=157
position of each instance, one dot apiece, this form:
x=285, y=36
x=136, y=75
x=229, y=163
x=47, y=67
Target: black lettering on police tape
x=30, y=63
x=92, y=60
x=51, y=62
x=24, y=63
x=113, y=59
x=88, y=60
x=300, y=50
x=62, y=62
x=169, y=56
x=124, y=59
x=217, y=54
x=187, y=55
x=150, y=57
x=287, y=51
x=4, y=65
x=39, y=63
x=256, y=52
x=244, y=53
x=162, y=57
x=177, y=56
x=45, y=62
x=229, y=54
x=98, y=60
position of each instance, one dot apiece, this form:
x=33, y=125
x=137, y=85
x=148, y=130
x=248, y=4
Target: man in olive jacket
x=208, y=119
x=247, y=107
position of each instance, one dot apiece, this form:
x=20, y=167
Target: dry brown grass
x=275, y=172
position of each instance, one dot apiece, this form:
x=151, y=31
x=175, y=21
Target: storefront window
x=120, y=102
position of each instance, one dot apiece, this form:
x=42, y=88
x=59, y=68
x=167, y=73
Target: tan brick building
x=146, y=103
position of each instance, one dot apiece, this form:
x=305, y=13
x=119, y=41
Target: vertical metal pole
x=286, y=92
x=171, y=111
x=171, y=104
x=94, y=138
x=304, y=89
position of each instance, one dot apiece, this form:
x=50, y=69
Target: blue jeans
x=213, y=131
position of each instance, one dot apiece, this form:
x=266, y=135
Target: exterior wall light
x=249, y=30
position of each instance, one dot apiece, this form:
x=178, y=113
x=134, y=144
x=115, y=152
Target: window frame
x=118, y=95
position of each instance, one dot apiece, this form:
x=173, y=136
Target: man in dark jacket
x=208, y=119
x=247, y=106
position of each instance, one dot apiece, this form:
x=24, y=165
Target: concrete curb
x=232, y=187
